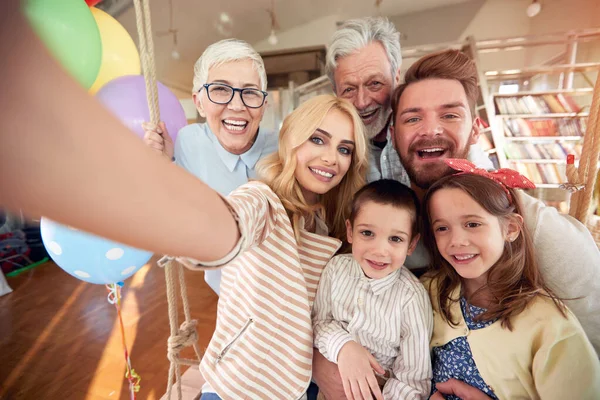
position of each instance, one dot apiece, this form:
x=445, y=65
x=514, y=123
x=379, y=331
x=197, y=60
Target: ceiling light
x=272, y=38
x=534, y=9
x=224, y=18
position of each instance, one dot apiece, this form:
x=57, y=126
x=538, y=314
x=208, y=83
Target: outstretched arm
x=64, y=156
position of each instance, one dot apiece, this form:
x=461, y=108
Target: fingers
x=165, y=133
x=375, y=365
x=365, y=390
x=347, y=389
x=356, y=393
x=460, y=389
x=154, y=141
x=374, y=385
x=149, y=126
x=152, y=136
x=437, y=396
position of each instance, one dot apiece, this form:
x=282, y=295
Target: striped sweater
x=263, y=341
x=391, y=317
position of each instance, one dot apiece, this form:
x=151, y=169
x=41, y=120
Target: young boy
x=370, y=313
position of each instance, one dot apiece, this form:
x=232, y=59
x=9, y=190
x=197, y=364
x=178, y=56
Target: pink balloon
x=125, y=97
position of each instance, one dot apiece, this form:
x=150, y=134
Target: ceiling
x=197, y=24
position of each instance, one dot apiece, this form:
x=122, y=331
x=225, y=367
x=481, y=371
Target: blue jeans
x=311, y=393
x=210, y=396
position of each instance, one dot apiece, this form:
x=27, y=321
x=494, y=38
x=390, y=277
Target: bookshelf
x=562, y=77
x=536, y=130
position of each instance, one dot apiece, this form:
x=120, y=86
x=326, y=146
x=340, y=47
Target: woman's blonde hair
x=278, y=169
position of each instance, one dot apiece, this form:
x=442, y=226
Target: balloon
x=126, y=98
x=119, y=54
x=90, y=258
x=92, y=3
x=68, y=29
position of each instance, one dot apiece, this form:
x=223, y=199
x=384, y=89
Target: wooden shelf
x=536, y=161
x=547, y=185
x=543, y=116
x=549, y=70
x=581, y=91
x=543, y=138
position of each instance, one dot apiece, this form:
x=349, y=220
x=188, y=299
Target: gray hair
x=225, y=51
x=357, y=33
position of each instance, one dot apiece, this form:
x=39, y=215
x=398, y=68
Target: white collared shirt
x=199, y=152
x=391, y=317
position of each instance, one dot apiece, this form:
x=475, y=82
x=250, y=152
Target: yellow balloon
x=119, y=55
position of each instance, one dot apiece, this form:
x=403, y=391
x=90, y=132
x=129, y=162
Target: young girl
x=497, y=326
x=262, y=344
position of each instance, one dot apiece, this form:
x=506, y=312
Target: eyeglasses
x=220, y=93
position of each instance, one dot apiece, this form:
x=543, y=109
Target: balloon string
x=114, y=297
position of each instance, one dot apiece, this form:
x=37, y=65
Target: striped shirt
x=263, y=341
x=385, y=163
x=391, y=317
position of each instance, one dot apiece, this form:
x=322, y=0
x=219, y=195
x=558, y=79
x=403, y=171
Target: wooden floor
x=60, y=338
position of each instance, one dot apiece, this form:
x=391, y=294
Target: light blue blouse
x=198, y=151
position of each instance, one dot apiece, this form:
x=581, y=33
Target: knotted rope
x=184, y=335
x=582, y=179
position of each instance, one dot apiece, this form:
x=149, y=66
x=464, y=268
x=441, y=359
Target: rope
x=588, y=167
x=582, y=179
x=144, y=28
x=184, y=335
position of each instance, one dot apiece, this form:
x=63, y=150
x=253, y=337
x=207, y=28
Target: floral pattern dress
x=454, y=359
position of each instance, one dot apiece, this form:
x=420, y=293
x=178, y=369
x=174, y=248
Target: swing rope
x=185, y=335
x=583, y=178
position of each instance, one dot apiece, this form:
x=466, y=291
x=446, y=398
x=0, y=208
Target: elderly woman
x=230, y=85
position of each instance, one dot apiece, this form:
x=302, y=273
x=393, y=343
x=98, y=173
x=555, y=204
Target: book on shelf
x=538, y=104
x=485, y=142
x=541, y=173
x=541, y=151
x=520, y=127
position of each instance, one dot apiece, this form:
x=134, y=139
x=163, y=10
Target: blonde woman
x=262, y=345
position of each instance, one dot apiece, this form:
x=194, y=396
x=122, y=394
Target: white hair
x=225, y=51
x=357, y=33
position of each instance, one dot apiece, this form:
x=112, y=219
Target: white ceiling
x=196, y=22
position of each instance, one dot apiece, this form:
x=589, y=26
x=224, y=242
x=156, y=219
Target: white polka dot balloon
x=88, y=257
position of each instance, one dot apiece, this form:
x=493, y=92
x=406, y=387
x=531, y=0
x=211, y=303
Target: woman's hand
x=459, y=389
x=157, y=137
x=356, y=366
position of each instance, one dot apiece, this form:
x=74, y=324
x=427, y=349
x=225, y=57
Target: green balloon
x=69, y=30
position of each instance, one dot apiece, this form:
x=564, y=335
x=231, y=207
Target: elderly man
x=363, y=65
x=230, y=85
x=433, y=109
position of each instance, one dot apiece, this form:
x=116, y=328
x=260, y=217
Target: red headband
x=507, y=178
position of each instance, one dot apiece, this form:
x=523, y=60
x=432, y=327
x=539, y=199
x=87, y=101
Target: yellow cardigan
x=545, y=356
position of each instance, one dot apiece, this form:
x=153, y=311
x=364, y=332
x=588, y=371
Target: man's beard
x=427, y=174
x=379, y=124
